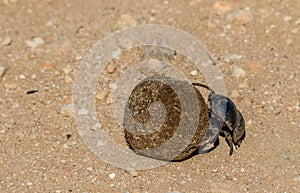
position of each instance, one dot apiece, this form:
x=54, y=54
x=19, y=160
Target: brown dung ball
x=165, y=123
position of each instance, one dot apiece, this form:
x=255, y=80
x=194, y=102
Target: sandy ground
x=256, y=46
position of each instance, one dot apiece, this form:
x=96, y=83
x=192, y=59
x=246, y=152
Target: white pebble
x=22, y=76
x=238, y=72
x=230, y=57
x=67, y=109
x=112, y=175
x=7, y=41
x=33, y=76
x=97, y=126
x=194, y=72
x=34, y=42
x=100, y=142
x=83, y=111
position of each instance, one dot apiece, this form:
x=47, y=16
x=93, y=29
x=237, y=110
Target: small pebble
x=112, y=175
x=133, y=173
x=3, y=69
x=100, y=142
x=7, y=41
x=297, y=22
x=83, y=111
x=194, y=72
x=238, y=72
x=287, y=18
x=22, y=76
x=34, y=42
x=67, y=109
x=46, y=66
x=125, y=21
x=89, y=168
x=214, y=170
x=101, y=95
x=96, y=127
x=113, y=86
x=249, y=122
x=230, y=57
x=33, y=76
x=240, y=15
x=68, y=79
x=67, y=69
x=111, y=68
x=221, y=6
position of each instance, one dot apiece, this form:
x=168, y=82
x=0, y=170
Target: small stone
x=194, y=72
x=133, y=173
x=68, y=79
x=3, y=69
x=22, y=76
x=67, y=69
x=215, y=170
x=34, y=42
x=100, y=142
x=65, y=146
x=126, y=21
x=33, y=76
x=294, y=30
x=111, y=68
x=249, y=122
x=28, y=183
x=240, y=15
x=287, y=18
x=83, y=111
x=7, y=41
x=112, y=175
x=89, y=168
x=297, y=22
x=68, y=135
x=230, y=57
x=113, y=86
x=222, y=6
x=238, y=72
x=101, y=95
x=46, y=66
x=11, y=85
x=67, y=109
x=96, y=127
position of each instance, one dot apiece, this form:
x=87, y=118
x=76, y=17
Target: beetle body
x=226, y=118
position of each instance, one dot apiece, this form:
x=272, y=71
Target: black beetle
x=223, y=113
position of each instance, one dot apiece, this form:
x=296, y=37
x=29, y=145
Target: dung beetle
x=226, y=118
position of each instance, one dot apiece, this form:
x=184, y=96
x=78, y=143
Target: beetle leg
x=227, y=134
x=239, y=133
